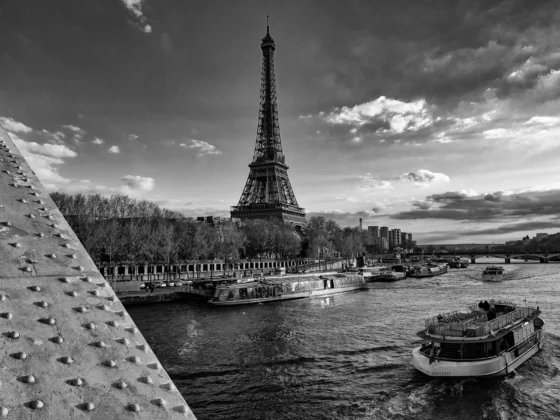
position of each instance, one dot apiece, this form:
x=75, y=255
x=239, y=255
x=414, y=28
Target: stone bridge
x=69, y=349
x=543, y=257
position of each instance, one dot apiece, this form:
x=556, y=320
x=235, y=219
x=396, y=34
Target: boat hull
x=501, y=365
x=493, y=277
x=294, y=295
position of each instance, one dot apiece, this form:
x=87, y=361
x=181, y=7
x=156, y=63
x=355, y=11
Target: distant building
x=374, y=231
x=384, y=232
x=541, y=236
x=394, y=238
x=409, y=237
x=211, y=220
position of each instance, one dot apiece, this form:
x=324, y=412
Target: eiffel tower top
x=268, y=146
x=267, y=41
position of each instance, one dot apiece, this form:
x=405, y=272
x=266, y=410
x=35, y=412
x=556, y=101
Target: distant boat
x=494, y=273
x=427, y=270
x=459, y=262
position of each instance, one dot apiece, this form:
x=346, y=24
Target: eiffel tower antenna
x=268, y=192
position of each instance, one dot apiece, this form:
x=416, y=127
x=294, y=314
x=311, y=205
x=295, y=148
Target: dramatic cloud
x=98, y=141
x=424, y=178
x=204, y=148
x=114, y=149
x=369, y=181
x=469, y=206
x=139, y=182
x=135, y=7
x=390, y=115
x=77, y=132
x=52, y=150
x=14, y=126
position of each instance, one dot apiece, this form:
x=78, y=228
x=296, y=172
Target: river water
x=348, y=356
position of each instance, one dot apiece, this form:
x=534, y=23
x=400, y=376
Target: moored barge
x=482, y=343
x=286, y=287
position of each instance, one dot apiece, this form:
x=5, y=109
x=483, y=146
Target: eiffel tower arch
x=268, y=193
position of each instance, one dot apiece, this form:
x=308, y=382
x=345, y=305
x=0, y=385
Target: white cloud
x=52, y=150
x=204, y=148
x=135, y=7
x=401, y=116
x=56, y=137
x=114, y=149
x=371, y=182
x=44, y=160
x=97, y=140
x=132, y=137
x=135, y=182
x=75, y=129
x=14, y=126
x=548, y=121
x=495, y=133
x=424, y=178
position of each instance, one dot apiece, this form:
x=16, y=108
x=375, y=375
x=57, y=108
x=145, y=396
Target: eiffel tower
x=268, y=193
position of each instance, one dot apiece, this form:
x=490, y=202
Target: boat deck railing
x=475, y=324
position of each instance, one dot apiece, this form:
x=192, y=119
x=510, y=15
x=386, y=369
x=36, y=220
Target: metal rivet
x=7, y=223
x=81, y=309
x=168, y=386
x=109, y=363
x=59, y=235
x=48, y=216
x=124, y=341
x=27, y=269
x=73, y=256
x=132, y=330
x=112, y=323
x=160, y=401
x=79, y=268
x=94, y=292
x=181, y=409
x=72, y=293
x=53, y=256
x=36, y=404
x=58, y=339
x=42, y=209
x=142, y=347
x=28, y=379
x=41, y=235
x=121, y=385
x=103, y=307
x=52, y=225
x=67, y=360
x=13, y=334
x=39, y=201
x=16, y=245
x=88, y=406
x=48, y=321
x=134, y=359
x=20, y=355
x=23, y=200
x=154, y=365
x=87, y=278
x=112, y=298
x=100, y=344
x=7, y=315
x=65, y=245
x=133, y=407
x=4, y=411
x=90, y=326
x=147, y=380
x=31, y=216
x=42, y=304
x=35, y=288
x=65, y=279
x=35, y=194
x=2, y=298
x=76, y=382
x=120, y=313
x=102, y=284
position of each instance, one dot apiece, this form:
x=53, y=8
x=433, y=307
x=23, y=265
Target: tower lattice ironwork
x=268, y=192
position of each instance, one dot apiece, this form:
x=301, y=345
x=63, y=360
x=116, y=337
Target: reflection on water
x=348, y=356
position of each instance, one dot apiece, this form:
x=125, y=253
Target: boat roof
x=484, y=339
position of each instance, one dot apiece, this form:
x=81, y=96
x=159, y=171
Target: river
x=348, y=356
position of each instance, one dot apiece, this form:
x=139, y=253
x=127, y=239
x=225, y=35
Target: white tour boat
x=482, y=343
x=494, y=273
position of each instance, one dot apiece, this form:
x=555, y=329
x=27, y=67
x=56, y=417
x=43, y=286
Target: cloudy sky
x=438, y=117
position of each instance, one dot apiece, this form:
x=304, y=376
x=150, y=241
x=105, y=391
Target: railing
x=473, y=327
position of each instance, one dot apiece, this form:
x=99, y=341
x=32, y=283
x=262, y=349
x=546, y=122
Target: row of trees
x=119, y=229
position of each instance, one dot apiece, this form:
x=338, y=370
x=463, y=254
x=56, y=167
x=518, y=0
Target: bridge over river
x=542, y=257
x=69, y=349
